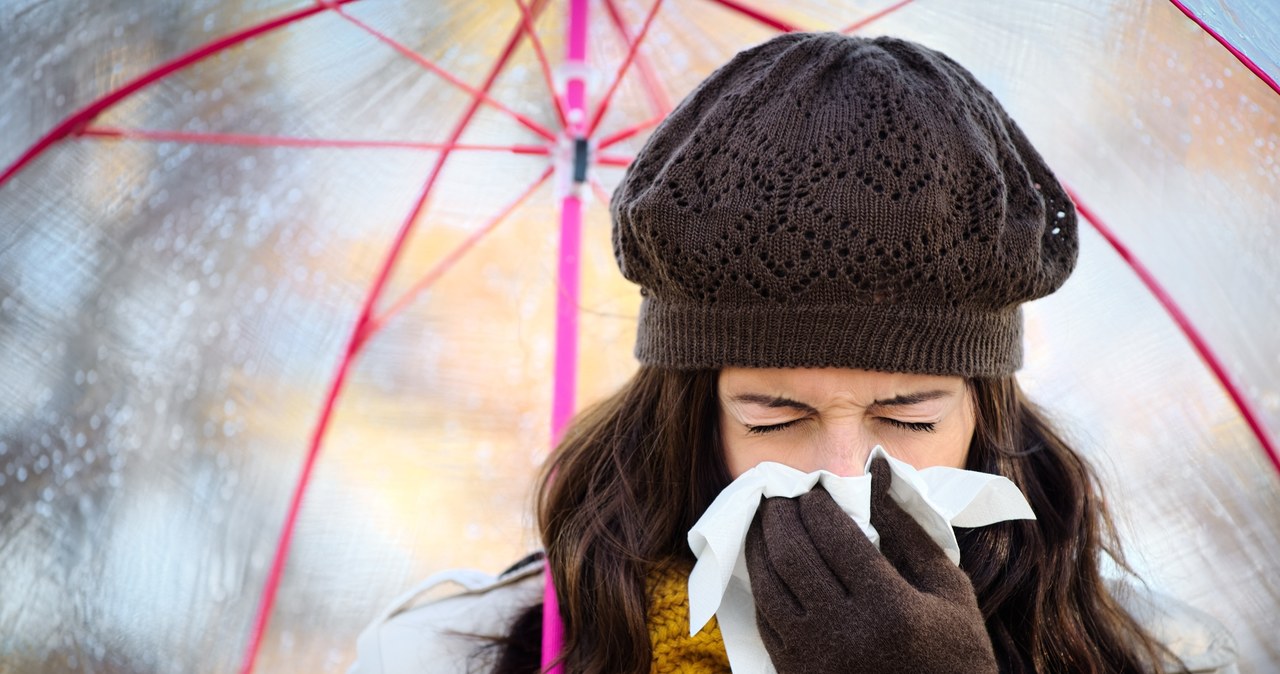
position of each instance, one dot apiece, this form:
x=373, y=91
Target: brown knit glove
x=827, y=601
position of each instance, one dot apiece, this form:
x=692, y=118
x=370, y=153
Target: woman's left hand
x=827, y=601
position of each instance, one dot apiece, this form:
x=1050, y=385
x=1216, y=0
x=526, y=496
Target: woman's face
x=830, y=418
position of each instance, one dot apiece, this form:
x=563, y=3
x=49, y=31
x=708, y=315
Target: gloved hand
x=828, y=601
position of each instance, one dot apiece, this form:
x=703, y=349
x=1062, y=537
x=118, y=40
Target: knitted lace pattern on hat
x=833, y=200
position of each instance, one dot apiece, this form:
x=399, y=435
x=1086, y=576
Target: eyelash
x=925, y=426
x=918, y=426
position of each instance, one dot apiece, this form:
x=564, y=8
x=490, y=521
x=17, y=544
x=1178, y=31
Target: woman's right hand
x=827, y=601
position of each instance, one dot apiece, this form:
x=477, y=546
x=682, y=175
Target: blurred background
x=180, y=274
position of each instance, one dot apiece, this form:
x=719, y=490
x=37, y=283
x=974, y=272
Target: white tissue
x=936, y=497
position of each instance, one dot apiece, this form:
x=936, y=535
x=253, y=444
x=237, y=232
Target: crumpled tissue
x=937, y=497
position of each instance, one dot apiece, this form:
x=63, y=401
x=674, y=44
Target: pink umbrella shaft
x=566, y=307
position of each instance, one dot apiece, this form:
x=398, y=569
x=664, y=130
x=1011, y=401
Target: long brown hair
x=636, y=470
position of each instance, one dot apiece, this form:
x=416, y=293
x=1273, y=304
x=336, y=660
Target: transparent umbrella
x=294, y=296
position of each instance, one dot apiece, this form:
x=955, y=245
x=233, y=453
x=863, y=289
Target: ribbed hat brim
x=890, y=338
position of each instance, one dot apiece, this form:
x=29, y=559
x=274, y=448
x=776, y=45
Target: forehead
x=817, y=382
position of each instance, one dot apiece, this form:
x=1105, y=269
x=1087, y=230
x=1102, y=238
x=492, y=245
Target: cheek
x=799, y=448
x=947, y=447
x=742, y=454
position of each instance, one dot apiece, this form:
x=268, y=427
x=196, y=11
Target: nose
x=847, y=458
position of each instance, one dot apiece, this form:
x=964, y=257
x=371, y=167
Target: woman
x=833, y=237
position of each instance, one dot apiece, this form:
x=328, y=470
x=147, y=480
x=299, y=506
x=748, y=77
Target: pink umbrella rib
x=1184, y=323
x=1240, y=56
x=622, y=69
x=628, y=132
x=774, y=22
x=527, y=22
x=762, y=17
x=614, y=160
x=868, y=20
x=88, y=113
x=452, y=79
x=358, y=338
x=601, y=193
x=454, y=256
x=111, y=132
x=648, y=77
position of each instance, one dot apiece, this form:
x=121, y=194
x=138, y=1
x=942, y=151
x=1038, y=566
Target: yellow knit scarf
x=674, y=651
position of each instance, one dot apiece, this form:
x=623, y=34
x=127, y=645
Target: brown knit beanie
x=824, y=200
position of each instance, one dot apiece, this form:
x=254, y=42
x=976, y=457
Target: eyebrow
x=896, y=401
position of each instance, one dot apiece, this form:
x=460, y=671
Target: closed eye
x=917, y=426
x=927, y=427
x=760, y=430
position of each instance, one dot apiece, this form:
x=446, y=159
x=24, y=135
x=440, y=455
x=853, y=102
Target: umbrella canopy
x=256, y=250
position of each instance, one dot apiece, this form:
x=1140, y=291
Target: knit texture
x=827, y=602
x=674, y=651
x=825, y=200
